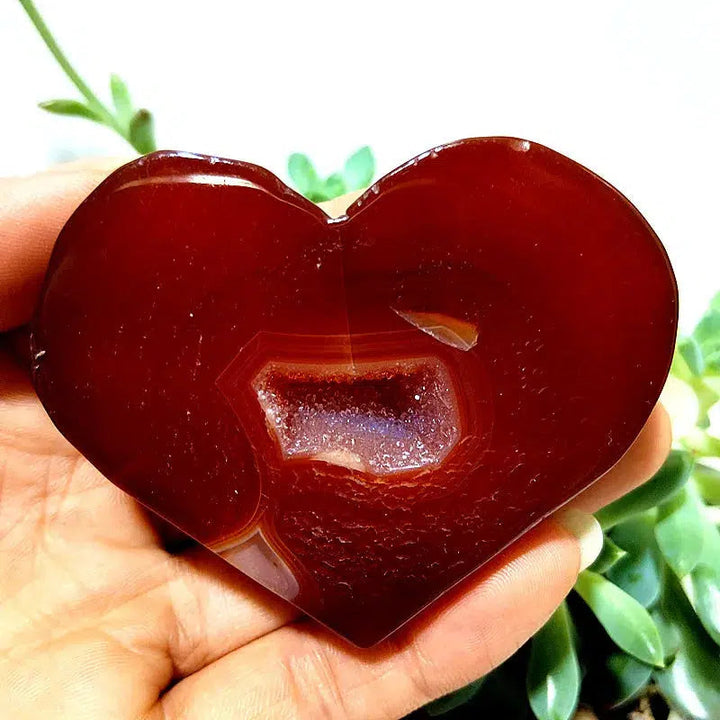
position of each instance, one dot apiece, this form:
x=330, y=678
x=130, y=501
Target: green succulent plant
x=644, y=619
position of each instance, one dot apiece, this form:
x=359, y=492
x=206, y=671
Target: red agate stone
x=356, y=412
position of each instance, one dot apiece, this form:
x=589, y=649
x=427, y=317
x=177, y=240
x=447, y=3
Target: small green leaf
x=121, y=99
x=359, y=169
x=667, y=481
x=679, y=532
x=625, y=620
x=70, y=107
x=609, y=555
x=334, y=186
x=702, y=444
x=679, y=367
x=553, y=679
x=707, y=480
x=689, y=348
x=629, y=677
x=303, y=174
x=690, y=682
x=707, y=332
x=707, y=396
x=317, y=196
x=142, y=132
x=454, y=699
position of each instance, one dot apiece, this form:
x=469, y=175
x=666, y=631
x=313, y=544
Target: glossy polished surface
x=356, y=412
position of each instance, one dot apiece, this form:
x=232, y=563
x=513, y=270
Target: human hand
x=100, y=620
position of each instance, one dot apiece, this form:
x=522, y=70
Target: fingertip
x=651, y=448
x=586, y=530
x=642, y=460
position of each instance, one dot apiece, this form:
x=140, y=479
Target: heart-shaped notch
x=356, y=412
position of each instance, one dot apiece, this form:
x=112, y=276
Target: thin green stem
x=93, y=101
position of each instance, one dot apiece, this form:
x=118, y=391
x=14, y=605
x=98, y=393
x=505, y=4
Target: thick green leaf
x=707, y=480
x=302, y=172
x=359, y=169
x=629, y=677
x=553, y=679
x=454, y=699
x=679, y=532
x=609, y=555
x=334, y=186
x=121, y=99
x=690, y=682
x=74, y=108
x=669, y=634
x=690, y=349
x=638, y=573
x=142, y=132
x=625, y=620
x=702, y=586
x=667, y=481
x=639, y=576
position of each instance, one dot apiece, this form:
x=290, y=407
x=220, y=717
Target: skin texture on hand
x=99, y=619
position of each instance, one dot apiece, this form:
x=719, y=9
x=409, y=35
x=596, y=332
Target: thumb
x=32, y=213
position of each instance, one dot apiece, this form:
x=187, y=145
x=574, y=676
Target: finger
x=644, y=458
x=215, y=610
x=302, y=671
x=24, y=425
x=32, y=213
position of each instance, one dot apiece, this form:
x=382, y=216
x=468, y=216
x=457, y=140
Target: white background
x=631, y=89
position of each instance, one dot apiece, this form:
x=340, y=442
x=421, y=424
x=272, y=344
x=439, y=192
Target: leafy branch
x=135, y=125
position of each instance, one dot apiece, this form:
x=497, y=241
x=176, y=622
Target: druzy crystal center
x=378, y=418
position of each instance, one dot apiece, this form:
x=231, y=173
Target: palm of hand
x=99, y=620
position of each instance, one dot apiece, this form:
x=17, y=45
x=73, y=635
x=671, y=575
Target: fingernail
x=587, y=530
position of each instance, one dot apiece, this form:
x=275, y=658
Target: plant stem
x=93, y=102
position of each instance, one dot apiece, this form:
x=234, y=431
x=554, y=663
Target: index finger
x=32, y=213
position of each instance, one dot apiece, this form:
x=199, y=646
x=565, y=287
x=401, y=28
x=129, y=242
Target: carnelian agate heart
x=356, y=412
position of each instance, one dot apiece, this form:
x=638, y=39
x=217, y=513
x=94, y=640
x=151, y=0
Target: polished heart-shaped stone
x=356, y=412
